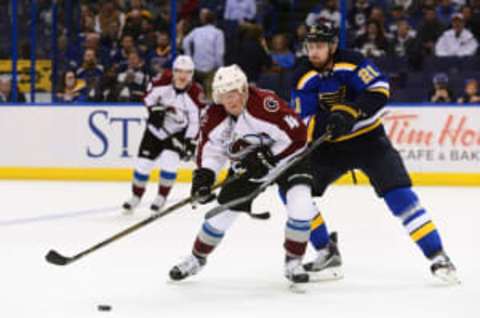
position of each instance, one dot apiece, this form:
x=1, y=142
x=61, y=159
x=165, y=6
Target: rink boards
x=440, y=144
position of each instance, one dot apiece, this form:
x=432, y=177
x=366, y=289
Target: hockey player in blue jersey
x=341, y=92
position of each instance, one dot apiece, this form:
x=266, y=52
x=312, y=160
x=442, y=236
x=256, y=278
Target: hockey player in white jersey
x=173, y=102
x=256, y=131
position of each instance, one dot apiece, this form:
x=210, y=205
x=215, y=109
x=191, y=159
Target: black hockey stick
x=56, y=258
x=271, y=179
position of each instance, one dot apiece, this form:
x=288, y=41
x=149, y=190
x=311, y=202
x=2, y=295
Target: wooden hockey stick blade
x=53, y=257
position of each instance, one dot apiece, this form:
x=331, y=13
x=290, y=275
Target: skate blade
x=328, y=274
x=127, y=211
x=447, y=277
x=297, y=288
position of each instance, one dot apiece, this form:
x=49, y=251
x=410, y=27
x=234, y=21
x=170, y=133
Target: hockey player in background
x=256, y=131
x=173, y=103
x=342, y=92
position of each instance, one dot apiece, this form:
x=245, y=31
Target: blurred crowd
x=109, y=50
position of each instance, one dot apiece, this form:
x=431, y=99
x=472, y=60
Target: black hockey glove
x=203, y=180
x=258, y=163
x=156, y=116
x=189, y=146
x=339, y=123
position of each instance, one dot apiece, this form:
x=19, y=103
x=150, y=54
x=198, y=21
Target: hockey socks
x=297, y=233
x=141, y=176
x=405, y=205
x=167, y=179
x=206, y=241
x=319, y=232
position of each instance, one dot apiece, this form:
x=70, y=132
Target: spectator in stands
x=90, y=71
x=471, y=93
x=92, y=42
x=140, y=6
x=206, y=45
x=373, y=43
x=429, y=30
x=108, y=13
x=404, y=42
x=159, y=57
x=109, y=40
x=445, y=11
x=457, y=41
x=132, y=83
x=358, y=16
x=188, y=9
x=72, y=90
x=282, y=57
x=6, y=91
x=405, y=4
x=252, y=51
x=134, y=23
x=147, y=38
x=240, y=10
x=299, y=41
x=127, y=45
x=472, y=21
x=397, y=13
x=440, y=93
x=328, y=12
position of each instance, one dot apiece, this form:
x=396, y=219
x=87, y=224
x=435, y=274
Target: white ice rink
x=385, y=274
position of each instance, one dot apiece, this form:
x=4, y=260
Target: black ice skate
x=328, y=263
x=131, y=204
x=444, y=269
x=191, y=265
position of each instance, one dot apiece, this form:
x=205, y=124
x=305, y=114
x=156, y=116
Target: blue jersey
x=354, y=84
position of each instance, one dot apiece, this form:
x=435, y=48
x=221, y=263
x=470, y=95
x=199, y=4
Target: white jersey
x=265, y=117
x=183, y=107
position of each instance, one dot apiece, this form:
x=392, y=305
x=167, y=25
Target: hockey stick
x=271, y=179
x=56, y=258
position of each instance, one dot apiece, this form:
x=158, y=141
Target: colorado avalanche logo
x=271, y=105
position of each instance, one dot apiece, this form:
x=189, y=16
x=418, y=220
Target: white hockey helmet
x=184, y=63
x=226, y=79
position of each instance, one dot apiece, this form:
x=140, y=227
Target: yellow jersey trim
x=305, y=78
x=345, y=108
x=380, y=90
x=344, y=67
x=359, y=132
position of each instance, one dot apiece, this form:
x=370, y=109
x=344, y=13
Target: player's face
x=233, y=102
x=181, y=78
x=318, y=53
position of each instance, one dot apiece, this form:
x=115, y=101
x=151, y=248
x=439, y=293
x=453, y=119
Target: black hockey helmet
x=324, y=31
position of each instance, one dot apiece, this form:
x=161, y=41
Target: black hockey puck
x=104, y=307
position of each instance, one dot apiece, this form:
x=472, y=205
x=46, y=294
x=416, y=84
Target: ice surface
x=385, y=274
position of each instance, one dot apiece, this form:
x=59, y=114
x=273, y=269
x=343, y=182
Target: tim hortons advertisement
x=430, y=139
x=436, y=139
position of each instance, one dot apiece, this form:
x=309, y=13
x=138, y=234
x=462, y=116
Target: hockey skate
x=191, y=265
x=130, y=205
x=296, y=275
x=444, y=269
x=328, y=263
x=157, y=204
